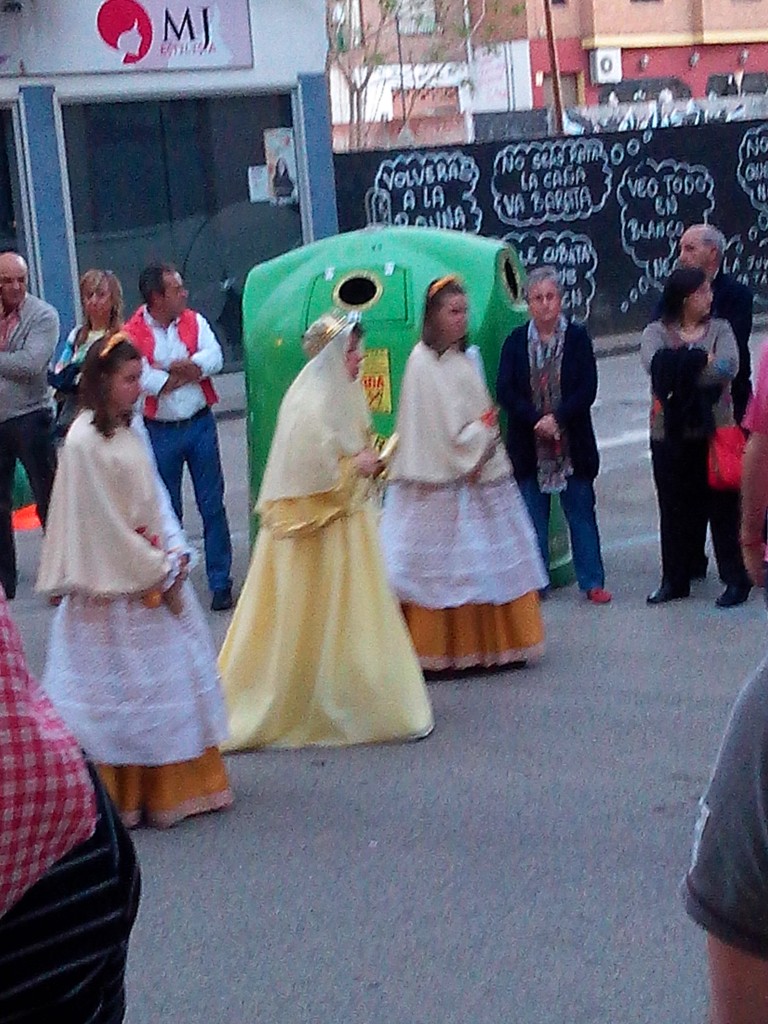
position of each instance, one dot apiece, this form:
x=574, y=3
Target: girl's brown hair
x=437, y=292
x=90, y=282
x=103, y=360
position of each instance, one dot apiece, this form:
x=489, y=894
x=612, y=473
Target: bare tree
x=425, y=39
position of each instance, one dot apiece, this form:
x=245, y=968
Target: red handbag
x=726, y=453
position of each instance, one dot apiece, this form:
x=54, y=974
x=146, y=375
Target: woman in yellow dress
x=318, y=652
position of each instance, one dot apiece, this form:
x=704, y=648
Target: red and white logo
x=126, y=27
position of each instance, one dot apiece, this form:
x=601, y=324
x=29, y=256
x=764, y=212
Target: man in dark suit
x=703, y=246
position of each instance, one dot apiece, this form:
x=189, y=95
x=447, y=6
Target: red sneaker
x=599, y=595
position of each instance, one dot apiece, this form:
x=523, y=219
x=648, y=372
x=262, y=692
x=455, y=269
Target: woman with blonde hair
x=101, y=295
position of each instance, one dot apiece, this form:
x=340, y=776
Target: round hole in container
x=509, y=276
x=359, y=291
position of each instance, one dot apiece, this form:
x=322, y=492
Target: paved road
x=519, y=867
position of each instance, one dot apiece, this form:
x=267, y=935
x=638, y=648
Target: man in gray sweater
x=29, y=330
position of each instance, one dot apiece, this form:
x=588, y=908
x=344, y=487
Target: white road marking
x=622, y=440
x=626, y=543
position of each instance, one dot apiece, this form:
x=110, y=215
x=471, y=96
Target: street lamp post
x=338, y=19
x=554, y=63
x=400, y=62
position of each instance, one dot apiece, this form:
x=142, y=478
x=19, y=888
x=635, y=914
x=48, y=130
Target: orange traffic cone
x=26, y=518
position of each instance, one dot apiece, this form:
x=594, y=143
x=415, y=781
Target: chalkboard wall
x=607, y=210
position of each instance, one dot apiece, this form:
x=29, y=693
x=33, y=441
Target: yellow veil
x=323, y=419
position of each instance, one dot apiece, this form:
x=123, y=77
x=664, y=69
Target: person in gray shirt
x=29, y=330
x=726, y=888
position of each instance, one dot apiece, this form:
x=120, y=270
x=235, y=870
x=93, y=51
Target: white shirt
x=188, y=399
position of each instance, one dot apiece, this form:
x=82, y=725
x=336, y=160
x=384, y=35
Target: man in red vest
x=181, y=354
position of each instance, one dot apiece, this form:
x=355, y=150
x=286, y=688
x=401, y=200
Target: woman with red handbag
x=691, y=359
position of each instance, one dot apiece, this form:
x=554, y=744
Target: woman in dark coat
x=547, y=384
x=691, y=359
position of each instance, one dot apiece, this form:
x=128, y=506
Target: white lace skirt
x=459, y=544
x=136, y=685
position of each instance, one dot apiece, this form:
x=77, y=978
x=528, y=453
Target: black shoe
x=221, y=600
x=733, y=595
x=666, y=593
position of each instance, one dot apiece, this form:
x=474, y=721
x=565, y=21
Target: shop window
x=416, y=17
x=754, y=83
x=641, y=90
x=10, y=229
x=183, y=181
x=345, y=21
x=569, y=90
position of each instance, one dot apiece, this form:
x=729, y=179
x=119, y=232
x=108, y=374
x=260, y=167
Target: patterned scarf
x=546, y=362
x=48, y=804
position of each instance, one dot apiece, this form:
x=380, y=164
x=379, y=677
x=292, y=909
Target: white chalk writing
x=574, y=257
x=539, y=182
x=748, y=260
x=435, y=190
x=657, y=201
x=752, y=168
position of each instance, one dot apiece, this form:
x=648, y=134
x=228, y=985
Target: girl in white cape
x=131, y=667
x=459, y=546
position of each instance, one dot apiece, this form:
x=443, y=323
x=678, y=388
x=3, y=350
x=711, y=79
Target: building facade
x=700, y=47
x=195, y=133
x=495, y=58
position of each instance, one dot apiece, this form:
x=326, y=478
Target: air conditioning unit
x=605, y=65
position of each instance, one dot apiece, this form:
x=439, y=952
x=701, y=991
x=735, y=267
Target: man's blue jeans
x=196, y=443
x=578, y=502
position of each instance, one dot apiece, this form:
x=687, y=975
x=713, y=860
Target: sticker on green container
x=377, y=380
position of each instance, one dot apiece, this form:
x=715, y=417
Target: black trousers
x=29, y=439
x=686, y=505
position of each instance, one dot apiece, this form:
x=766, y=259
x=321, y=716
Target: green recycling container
x=382, y=274
x=561, y=572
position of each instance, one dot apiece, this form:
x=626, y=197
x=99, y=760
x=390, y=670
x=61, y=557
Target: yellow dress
x=318, y=652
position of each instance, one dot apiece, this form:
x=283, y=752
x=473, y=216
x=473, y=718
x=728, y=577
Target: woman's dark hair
x=152, y=280
x=437, y=292
x=103, y=360
x=682, y=282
